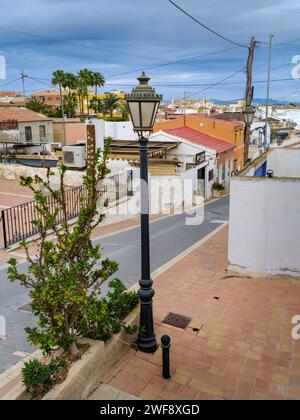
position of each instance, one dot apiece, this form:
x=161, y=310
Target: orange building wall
x=226, y=130
x=75, y=132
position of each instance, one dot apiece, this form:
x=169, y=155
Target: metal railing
x=17, y=221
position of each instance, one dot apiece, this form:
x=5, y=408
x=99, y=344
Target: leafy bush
x=65, y=279
x=105, y=317
x=218, y=187
x=39, y=377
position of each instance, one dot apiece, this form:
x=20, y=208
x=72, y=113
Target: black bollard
x=165, y=345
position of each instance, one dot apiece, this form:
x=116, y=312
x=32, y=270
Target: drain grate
x=177, y=320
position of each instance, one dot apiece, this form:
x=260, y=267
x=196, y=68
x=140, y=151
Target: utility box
x=74, y=156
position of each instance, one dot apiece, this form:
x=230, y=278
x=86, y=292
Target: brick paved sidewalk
x=244, y=349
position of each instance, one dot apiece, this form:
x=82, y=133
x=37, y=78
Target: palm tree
x=98, y=81
x=37, y=106
x=58, y=79
x=86, y=80
x=70, y=104
x=96, y=105
x=110, y=103
x=70, y=82
x=124, y=109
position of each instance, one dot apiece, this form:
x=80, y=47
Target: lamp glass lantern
x=248, y=114
x=143, y=103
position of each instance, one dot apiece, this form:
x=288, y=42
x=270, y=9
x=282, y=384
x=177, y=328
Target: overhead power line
x=173, y=62
x=206, y=27
x=10, y=82
x=216, y=84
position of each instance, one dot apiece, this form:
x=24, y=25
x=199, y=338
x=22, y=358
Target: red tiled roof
x=200, y=138
x=21, y=115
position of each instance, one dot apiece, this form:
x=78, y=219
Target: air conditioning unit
x=74, y=157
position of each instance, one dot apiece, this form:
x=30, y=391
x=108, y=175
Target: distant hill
x=256, y=101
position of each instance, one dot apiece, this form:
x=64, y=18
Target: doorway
x=201, y=181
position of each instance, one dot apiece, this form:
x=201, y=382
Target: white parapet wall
x=264, y=227
x=284, y=162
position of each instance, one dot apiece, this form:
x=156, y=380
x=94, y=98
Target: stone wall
x=14, y=172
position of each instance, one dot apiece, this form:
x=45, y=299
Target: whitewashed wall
x=284, y=162
x=264, y=228
x=170, y=193
x=193, y=175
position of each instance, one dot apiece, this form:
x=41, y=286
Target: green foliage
x=65, y=279
x=105, y=317
x=110, y=103
x=115, y=119
x=37, y=106
x=39, y=377
x=218, y=187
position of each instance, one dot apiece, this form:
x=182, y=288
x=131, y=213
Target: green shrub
x=39, y=377
x=65, y=279
x=120, y=301
x=218, y=187
x=105, y=317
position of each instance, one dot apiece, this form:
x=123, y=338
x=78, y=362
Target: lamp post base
x=148, y=346
x=146, y=341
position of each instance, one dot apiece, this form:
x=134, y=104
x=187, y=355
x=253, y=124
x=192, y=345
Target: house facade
x=22, y=126
x=202, y=158
x=229, y=131
x=49, y=98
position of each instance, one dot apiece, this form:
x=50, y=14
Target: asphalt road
x=169, y=237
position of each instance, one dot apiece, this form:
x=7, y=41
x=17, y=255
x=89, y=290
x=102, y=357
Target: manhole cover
x=25, y=308
x=177, y=320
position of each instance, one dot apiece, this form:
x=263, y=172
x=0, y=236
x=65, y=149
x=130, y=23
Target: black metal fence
x=17, y=221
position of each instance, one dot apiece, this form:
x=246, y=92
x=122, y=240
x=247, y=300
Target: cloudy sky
x=121, y=37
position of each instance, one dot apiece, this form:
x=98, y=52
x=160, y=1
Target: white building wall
x=264, y=228
x=115, y=130
x=169, y=194
x=193, y=175
x=284, y=162
x=120, y=130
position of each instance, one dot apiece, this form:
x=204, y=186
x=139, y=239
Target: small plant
x=217, y=186
x=105, y=317
x=39, y=377
x=120, y=301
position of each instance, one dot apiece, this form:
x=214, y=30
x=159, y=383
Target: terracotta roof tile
x=200, y=138
x=21, y=115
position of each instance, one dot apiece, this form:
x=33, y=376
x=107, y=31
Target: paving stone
x=109, y=393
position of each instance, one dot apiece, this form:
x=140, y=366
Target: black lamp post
x=248, y=114
x=143, y=103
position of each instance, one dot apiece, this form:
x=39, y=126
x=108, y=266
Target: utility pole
x=186, y=96
x=23, y=77
x=184, y=109
x=249, y=97
x=268, y=91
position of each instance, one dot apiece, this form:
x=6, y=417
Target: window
x=211, y=175
x=42, y=131
x=28, y=134
x=200, y=158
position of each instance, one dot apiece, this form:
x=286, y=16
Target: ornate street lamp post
x=143, y=103
x=248, y=114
